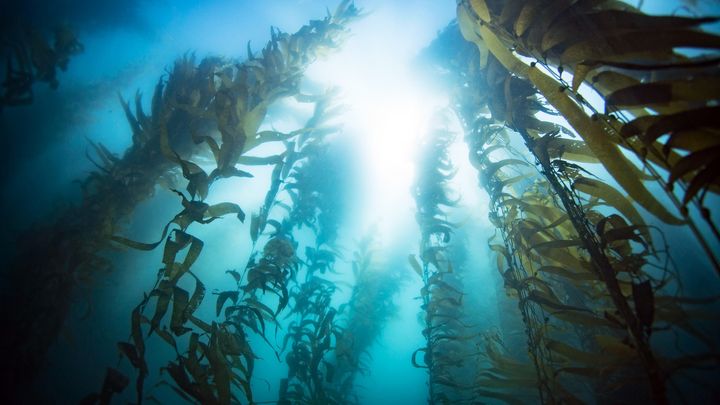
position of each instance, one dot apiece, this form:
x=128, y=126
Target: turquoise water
x=370, y=174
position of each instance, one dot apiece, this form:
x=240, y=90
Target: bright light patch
x=389, y=109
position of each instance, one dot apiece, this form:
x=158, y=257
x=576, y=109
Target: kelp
x=225, y=345
x=371, y=305
x=31, y=58
x=446, y=333
x=186, y=110
x=530, y=241
x=667, y=93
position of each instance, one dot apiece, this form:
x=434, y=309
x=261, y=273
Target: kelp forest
x=561, y=241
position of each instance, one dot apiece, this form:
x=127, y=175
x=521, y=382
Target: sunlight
x=389, y=109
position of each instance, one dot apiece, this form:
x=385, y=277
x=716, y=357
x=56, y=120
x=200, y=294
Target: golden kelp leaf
x=259, y=160
x=583, y=22
x=224, y=208
x=692, y=140
x=692, y=162
x=571, y=353
x=581, y=71
x=609, y=81
x=415, y=265
x=502, y=53
x=569, y=149
x=595, y=138
x=705, y=179
x=612, y=197
x=582, y=318
x=569, y=274
x=557, y=244
x=196, y=298
x=550, y=302
x=507, y=398
x=481, y=9
x=615, y=347
x=625, y=45
x=663, y=92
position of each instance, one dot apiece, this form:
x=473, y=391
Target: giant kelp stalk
x=550, y=36
x=562, y=265
x=318, y=202
x=31, y=58
x=442, y=294
x=218, y=103
x=367, y=312
x=630, y=59
x=219, y=355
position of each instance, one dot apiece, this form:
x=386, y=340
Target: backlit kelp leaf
x=582, y=318
x=219, y=366
x=180, y=301
x=163, y=294
x=224, y=296
x=574, y=275
x=198, y=391
x=415, y=265
x=613, y=346
x=481, y=9
x=691, y=140
x=705, y=179
x=595, y=138
x=492, y=168
x=692, y=162
x=551, y=302
x=664, y=92
x=623, y=45
x=196, y=298
x=557, y=244
x=591, y=131
x=414, y=358
x=255, y=226
x=671, y=123
x=259, y=160
x=235, y=275
x=198, y=180
x=569, y=352
x=569, y=149
x=224, y=208
x=613, y=198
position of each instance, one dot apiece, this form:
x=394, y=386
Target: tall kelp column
x=586, y=256
x=212, y=108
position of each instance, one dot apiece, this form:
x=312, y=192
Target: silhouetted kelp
x=597, y=291
x=30, y=58
x=196, y=100
x=367, y=312
x=595, y=270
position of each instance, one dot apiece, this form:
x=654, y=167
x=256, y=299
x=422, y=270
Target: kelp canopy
x=588, y=128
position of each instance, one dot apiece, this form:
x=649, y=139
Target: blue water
x=391, y=102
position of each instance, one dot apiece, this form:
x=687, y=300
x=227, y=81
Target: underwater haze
x=371, y=202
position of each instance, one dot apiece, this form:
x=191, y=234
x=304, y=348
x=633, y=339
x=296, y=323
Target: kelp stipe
x=216, y=95
x=603, y=50
x=623, y=238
